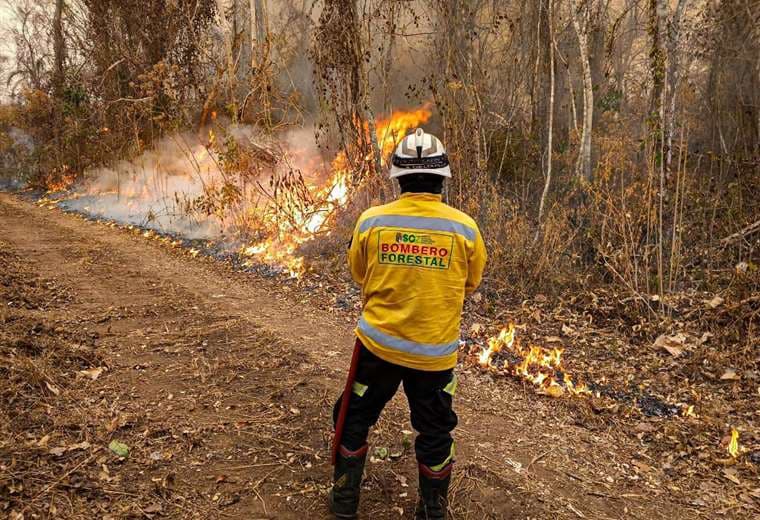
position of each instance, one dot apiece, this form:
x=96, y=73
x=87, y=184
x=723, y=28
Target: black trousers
x=430, y=399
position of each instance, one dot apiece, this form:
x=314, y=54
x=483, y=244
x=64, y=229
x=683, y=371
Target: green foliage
x=74, y=98
x=611, y=100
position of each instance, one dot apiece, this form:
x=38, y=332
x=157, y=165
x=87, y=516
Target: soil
x=221, y=384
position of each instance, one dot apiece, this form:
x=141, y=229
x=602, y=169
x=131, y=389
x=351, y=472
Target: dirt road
x=221, y=384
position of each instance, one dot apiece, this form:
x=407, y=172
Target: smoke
x=13, y=156
x=21, y=139
x=155, y=190
x=304, y=154
x=10, y=184
x=182, y=186
x=263, y=195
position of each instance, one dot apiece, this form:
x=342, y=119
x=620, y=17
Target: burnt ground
x=221, y=383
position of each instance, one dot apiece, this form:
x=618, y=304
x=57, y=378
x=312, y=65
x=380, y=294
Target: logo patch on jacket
x=415, y=249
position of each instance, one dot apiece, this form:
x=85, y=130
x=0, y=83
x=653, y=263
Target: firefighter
x=415, y=259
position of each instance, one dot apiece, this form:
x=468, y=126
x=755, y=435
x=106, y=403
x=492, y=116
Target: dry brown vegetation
x=612, y=142
x=223, y=399
x=608, y=150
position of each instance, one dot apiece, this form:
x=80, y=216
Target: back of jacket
x=415, y=259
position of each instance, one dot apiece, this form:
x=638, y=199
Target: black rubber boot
x=349, y=467
x=434, y=490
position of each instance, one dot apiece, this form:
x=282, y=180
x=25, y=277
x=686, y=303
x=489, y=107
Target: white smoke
x=152, y=189
x=21, y=139
x=161, y=188
x=14, y=158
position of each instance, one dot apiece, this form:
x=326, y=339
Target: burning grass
x=542, y=367
x=504, y=354
x=293, y=224
x=263, y=201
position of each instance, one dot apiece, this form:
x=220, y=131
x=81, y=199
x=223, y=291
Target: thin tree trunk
x=260, y=57
x=657, y=68
x=59, y=49
x=657, y=15
x=343, y=84
x=229, y=58
x=258, y=32
x=550, y=130
x=393, y=10
x=366, y=111
x=583, y=166
x=573, y=109
x=534, y=96
x=673, y=75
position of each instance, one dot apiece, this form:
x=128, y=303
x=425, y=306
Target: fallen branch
x=537, y=458
x=130, y=100
x=748, y=230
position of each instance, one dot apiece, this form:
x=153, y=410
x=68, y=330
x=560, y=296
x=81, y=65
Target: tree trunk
x=260, y=66
x=550, y=129
x=583, y=166
x=59, y=49
x=366, y=111
x=258, y=32
x=657, y=15
x=673, y=76
x=343, y=84
x=457, y=95
x=228, y=38
x=657, y=69
x=539, y=94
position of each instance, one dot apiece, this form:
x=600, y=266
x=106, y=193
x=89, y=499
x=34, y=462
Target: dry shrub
x=632, y=219
x=520, y=263
x=621, y=215
x=61, y=137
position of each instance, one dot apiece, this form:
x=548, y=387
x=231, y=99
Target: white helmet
x=420, y=153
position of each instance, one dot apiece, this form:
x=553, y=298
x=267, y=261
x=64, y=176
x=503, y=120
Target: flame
x=391, y=129
x=181, y=184
x=292, y=226
x=538, y=365
x=543, y=368
x=733, y=445
x=505, y=338
x=63, y=181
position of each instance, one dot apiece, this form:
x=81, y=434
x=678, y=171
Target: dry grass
x=42, y=425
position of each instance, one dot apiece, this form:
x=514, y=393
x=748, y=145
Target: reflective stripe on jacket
x=415, y=259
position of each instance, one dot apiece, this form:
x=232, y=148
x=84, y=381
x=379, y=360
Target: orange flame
x=733, y=445
x=280, y=248
x=61, y=182
x=538, y=365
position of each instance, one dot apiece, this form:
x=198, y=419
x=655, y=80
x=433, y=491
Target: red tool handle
x=344, y=401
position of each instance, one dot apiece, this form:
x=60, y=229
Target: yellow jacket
x=415, y=259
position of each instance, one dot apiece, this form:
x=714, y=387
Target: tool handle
x=344, y=400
